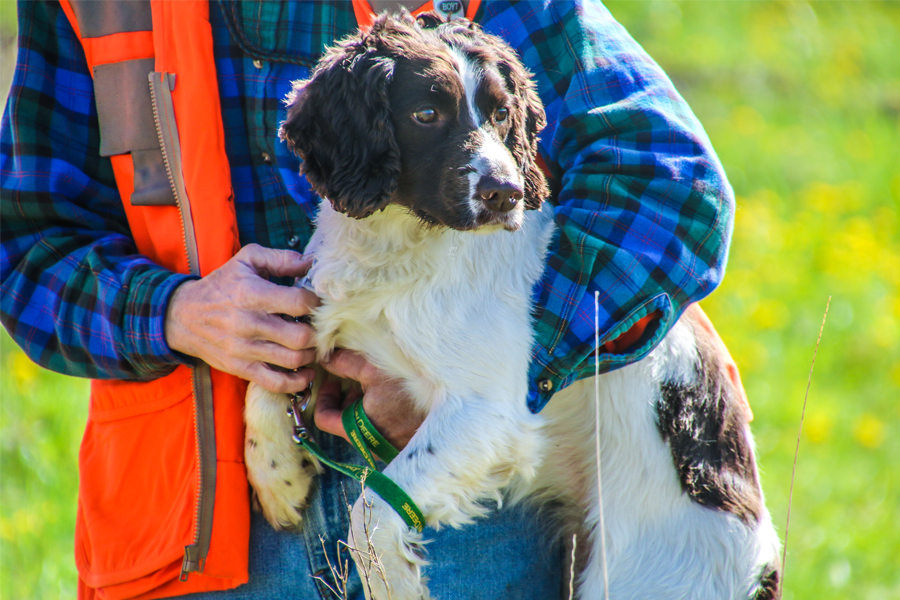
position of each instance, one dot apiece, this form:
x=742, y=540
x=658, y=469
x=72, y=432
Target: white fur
x=470, y=74
x=395, y=291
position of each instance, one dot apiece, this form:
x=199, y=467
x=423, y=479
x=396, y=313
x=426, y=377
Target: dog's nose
x=498, y=195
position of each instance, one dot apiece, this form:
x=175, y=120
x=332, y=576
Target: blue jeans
x=507, y=556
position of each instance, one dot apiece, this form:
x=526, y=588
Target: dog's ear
x=536, y=189
x=528, y=121
x=339, y=123
x=429, y=20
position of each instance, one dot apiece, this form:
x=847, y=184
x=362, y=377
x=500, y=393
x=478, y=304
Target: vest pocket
x=112, y=400
x=127, y=125
x=138, y=454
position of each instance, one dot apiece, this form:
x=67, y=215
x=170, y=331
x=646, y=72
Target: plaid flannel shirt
x=643, y=209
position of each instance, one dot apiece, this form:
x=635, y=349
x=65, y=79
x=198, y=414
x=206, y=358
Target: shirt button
x=266, y=158
x=545, y=385
x=294, y=241
x=257, y=63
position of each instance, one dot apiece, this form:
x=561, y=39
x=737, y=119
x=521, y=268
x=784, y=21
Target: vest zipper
x=161, y=86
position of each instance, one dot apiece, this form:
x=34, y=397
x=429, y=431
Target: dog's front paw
x=280, y=473
x=388, y=554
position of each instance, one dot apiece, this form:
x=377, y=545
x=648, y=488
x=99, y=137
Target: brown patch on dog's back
x=705, y=425
x=769, y=584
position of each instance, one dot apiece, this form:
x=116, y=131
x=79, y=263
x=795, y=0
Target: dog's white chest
x=435, y=306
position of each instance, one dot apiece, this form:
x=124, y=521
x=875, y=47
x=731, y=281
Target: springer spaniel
x=422, y=136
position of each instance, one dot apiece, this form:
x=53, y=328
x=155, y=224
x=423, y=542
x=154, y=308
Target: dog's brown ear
x=536, y=189
x=528, y=122
x=429, y=20
x=339, y=123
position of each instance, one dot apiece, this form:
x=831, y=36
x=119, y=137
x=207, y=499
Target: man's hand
x=231, y=319
x=386, y=402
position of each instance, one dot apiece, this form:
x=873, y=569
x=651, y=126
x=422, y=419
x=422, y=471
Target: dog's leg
x=464, y=454
x=280, y=473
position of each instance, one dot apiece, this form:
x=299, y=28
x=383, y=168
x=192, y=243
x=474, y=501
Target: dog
x=421, y=137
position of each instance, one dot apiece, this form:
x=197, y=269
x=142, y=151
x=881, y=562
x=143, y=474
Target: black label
x=449, y=7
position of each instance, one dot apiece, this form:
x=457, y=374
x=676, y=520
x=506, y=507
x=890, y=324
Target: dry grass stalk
x=339, y=573
x=797, y=450
x=602, y=531
x=572, y=568
x=371, y=561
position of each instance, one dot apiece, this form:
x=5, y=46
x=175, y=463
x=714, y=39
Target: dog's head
x=440, y=118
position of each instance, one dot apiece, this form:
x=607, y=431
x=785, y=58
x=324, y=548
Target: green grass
x=42, y=417
x=802, y=102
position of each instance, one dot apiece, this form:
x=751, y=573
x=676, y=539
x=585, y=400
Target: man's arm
x=76, y=295
x=643, y=210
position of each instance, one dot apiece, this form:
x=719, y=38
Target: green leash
x=365, y=438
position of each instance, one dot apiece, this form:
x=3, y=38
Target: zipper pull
x=192, y=562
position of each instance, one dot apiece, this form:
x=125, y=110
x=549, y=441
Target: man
x=644, y=215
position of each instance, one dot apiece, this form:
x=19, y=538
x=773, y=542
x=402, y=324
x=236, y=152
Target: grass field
x=802, y=102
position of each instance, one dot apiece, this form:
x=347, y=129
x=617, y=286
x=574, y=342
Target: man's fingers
x=329, y=406
x=291, y=301
x=387, y=403
x=232, y=319
x=278, y=299
x=279, y=356
x=279, y=382
x=353, y=394
x=270, y=262
x=285, y=332
x=352, y=365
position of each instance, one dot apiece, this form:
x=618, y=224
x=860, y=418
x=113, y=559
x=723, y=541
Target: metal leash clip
x=298, y=403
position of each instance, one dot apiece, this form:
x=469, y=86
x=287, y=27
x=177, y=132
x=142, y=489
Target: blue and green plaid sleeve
x=644, y=211
x=75, y=294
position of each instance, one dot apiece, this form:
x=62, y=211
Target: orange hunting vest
x=163, y=503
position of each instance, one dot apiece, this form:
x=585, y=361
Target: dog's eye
x=426, y=115
x=501, y=114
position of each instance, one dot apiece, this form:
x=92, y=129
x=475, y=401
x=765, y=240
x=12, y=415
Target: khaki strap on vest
x=121, y=88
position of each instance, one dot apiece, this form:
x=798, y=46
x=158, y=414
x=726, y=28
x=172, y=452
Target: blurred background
x=802, y=103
